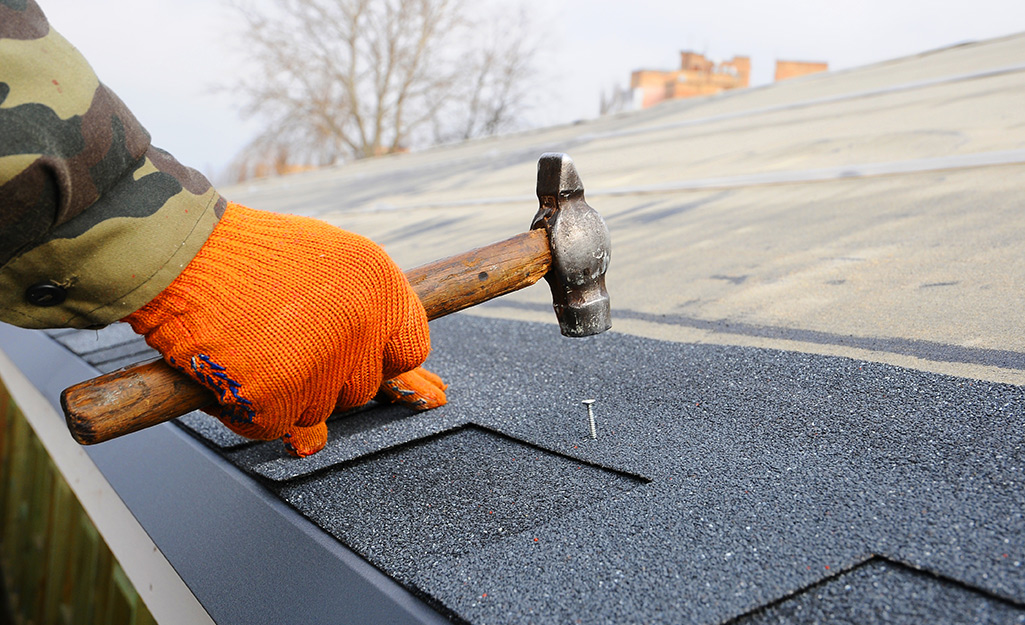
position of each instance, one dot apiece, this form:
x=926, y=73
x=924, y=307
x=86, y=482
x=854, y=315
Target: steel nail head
x=590, y=417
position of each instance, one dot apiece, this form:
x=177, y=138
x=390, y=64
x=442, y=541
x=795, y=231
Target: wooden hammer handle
x=145, y=394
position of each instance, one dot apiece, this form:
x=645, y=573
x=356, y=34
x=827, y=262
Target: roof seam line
x=843, y=172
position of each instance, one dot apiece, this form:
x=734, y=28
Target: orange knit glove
x=287, y=318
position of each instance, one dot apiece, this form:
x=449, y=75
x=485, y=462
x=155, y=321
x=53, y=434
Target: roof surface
x=808, y=408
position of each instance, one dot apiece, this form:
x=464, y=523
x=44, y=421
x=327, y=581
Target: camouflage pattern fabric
x=87, y=205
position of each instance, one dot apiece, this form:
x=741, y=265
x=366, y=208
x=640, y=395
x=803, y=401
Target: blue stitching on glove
x=213, y=376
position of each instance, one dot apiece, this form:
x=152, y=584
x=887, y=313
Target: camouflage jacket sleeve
x=94, y=221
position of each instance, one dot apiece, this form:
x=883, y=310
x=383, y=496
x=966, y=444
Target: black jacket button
x=46, y=294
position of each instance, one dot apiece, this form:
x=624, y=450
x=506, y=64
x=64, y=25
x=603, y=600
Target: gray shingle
x=769, y=472
x=880, y=591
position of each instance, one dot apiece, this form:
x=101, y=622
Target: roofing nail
x=590, y=417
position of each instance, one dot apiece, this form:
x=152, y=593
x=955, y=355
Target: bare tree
x=619, y=99
x=498, y=78
x=349, y=79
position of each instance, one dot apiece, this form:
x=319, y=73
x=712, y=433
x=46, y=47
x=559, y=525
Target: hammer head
x=580, y=246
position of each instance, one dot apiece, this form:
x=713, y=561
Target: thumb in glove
x=419, y=389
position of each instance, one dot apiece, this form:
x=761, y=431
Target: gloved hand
x=286, y=319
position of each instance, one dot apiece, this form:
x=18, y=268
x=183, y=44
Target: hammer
x=568, y=244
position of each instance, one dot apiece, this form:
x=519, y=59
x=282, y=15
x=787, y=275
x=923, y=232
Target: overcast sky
x=166, y=58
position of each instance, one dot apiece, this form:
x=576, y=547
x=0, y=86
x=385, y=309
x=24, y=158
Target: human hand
x=286, y=319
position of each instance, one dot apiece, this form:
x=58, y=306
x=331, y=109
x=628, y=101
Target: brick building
x=697, y=76
x=793, y=69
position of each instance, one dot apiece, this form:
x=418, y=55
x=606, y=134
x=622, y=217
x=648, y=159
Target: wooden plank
x=121, y=598
x=87, y=550
x=59, y=556
x=36, y=532
x=6, y=418
x=16, y=513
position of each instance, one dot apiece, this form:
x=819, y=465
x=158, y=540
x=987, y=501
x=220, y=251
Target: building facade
x=793, y=69
x=700, y=76
x=697, y=76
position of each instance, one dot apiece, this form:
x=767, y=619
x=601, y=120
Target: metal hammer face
x=580, y=246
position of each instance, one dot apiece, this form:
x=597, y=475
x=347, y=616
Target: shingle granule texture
x=886, y=592
x=735, y=478
x=506, y=488
x=726, y=483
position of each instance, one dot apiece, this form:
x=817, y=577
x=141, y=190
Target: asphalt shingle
x=723, y=480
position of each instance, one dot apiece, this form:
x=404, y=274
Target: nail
x=590, y=417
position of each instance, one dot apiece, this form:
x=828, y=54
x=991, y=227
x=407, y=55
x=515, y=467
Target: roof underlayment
x=809, y=408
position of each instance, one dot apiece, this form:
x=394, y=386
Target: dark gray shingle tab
x=769, y=473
